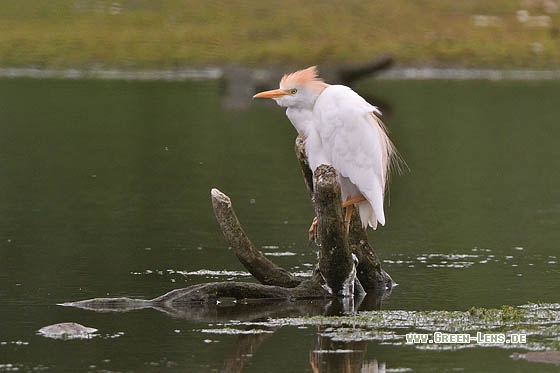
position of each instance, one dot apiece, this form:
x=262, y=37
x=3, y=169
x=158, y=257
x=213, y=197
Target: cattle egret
x=342, y=130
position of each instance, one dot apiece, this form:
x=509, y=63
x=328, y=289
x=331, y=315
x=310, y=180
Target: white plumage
x=356, y=146
x=342, y=130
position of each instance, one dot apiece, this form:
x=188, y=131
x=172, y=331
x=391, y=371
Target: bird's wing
x=355, y=142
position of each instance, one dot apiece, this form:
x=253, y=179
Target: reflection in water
x=243, y=349
x=248, y=312
x=345, y=357
x=327, y=355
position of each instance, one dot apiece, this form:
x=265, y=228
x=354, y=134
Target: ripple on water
x=477, y=256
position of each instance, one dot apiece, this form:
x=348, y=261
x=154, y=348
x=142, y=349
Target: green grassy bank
x=176, y=33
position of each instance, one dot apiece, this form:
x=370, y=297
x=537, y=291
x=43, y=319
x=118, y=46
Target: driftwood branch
x=304, y=165
x=210, y=292
x=336, y=273
x=335, y=268
x=264, y=270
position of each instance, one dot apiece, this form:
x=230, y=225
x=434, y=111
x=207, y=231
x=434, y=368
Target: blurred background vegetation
x=139, y=34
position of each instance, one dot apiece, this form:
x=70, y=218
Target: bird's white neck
x=301, y=119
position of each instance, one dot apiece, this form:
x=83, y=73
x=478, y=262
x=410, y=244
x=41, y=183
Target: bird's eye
x=293, y=91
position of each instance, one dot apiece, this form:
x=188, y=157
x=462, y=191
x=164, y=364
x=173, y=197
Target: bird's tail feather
x=367, y=215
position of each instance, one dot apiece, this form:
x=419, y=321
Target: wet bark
x=335, y=255
x=336, y=270
x=304, y=165
x=372, y=277
x=265, y=271
x=369, y=272
x=184, y=300
x=210, y=292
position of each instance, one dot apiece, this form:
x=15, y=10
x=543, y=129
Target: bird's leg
x=348, y=217
x=351, y=201
x=349, y=206
x=313, y=231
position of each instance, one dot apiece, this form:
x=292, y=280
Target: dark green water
x=105, y=190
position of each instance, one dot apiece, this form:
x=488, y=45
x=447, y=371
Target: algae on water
x=539, y=322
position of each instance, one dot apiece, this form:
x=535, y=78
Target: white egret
x=343, y=130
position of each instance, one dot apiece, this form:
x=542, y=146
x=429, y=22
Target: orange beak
x=275, y=93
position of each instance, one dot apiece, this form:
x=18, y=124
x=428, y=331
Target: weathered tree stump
x=335, y=256
x=336, y=274
x=372, y=277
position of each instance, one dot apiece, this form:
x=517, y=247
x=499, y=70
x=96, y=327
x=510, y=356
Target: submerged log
x=210, y=292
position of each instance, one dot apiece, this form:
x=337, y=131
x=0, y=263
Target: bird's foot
x=313, y=231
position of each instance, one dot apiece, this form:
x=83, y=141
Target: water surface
x=105, y=191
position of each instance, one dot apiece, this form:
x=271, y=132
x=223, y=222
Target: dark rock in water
x=67, y=330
